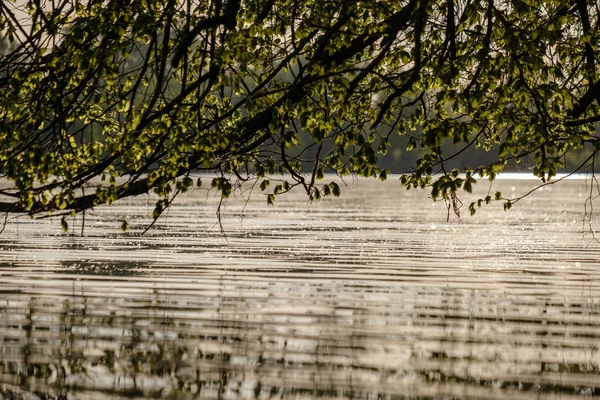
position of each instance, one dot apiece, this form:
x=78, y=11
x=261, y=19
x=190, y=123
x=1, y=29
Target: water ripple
x=373, y=295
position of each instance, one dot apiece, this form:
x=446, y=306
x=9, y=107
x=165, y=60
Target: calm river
x=369, y=296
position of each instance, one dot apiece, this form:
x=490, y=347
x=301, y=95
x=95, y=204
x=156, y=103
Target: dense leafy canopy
x=104, y=99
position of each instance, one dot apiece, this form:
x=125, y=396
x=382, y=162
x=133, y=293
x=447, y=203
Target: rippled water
x=370, y=296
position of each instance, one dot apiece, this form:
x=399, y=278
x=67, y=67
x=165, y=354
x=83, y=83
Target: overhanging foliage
x=141, y=93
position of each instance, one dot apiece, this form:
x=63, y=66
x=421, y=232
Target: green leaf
x=64, y=225
x=335, y=189
x=383, y=174
x=264, y=184
x=472, y=209
x=467, y=186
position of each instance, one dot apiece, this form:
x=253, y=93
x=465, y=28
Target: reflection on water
x=372, y=296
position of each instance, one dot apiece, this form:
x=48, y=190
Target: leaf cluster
x=101, y=100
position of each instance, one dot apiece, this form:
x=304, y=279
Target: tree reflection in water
x=64, y=346
x=88, y=346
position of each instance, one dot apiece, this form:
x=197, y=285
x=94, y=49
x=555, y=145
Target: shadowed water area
x=369, y=296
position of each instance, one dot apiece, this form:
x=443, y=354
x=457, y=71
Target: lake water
x=369, y=296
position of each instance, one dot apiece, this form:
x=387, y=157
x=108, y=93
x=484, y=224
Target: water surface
x=369, y=296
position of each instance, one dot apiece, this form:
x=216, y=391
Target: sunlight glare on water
x=371, y=295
